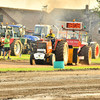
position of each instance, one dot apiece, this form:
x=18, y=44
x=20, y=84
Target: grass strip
x=48, y=69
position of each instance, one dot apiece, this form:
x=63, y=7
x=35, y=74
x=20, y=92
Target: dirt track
x=26, y=64
x=50, y=85
x=65, y=85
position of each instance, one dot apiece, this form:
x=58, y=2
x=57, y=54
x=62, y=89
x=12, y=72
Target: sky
x=37, y=4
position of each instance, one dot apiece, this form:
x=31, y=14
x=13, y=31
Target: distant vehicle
x=44, y=29
x=30, y=32
x=87, y=39
x=18, y=42
x=78, y=52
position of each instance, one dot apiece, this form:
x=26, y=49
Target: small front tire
x=32, y=60
x=52, y=59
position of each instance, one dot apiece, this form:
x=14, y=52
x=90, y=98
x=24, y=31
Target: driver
x=52, y=36
x=74, y=37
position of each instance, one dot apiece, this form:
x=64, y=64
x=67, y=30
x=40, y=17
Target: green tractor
x=17, y=41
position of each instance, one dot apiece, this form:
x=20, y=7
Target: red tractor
x=47, y=54
x=78, y=52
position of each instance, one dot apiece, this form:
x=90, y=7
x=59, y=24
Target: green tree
x=97, y=9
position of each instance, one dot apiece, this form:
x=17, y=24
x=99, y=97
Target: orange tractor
x=46, y=53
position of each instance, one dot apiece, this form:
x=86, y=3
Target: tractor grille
x=41, y=45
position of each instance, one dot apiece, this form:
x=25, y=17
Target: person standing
x=7, y=46
x=74, y=37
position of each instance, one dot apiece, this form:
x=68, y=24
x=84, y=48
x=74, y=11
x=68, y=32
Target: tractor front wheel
x=32, y=60
x=52, y=59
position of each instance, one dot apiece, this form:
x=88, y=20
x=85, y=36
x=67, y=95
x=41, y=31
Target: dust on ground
x=60, y=85
x=65, y=85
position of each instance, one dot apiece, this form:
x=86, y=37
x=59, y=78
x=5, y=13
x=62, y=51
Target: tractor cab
x=86, y=38
x=72, y=32
x=41, y=30
x=73, y=38
x=9, y=31
x=18, y=30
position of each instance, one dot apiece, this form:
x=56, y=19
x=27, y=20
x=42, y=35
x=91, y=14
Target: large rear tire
x=62, y=52
x=95, y=50
x=16, y=48
x=86, y=51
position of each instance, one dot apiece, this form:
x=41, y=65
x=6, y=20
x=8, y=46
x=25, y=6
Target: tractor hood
x=19, y=25
x=33, y=38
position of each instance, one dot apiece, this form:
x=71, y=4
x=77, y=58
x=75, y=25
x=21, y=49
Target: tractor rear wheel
x=16, y=48
x=32, y=60
x=95, y=50
x=62, y=52
x=86, y=51
x=52, y=59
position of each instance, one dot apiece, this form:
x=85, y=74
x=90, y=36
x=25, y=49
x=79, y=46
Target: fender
x=56, y=42
x=11, y=40
x=82, y=45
